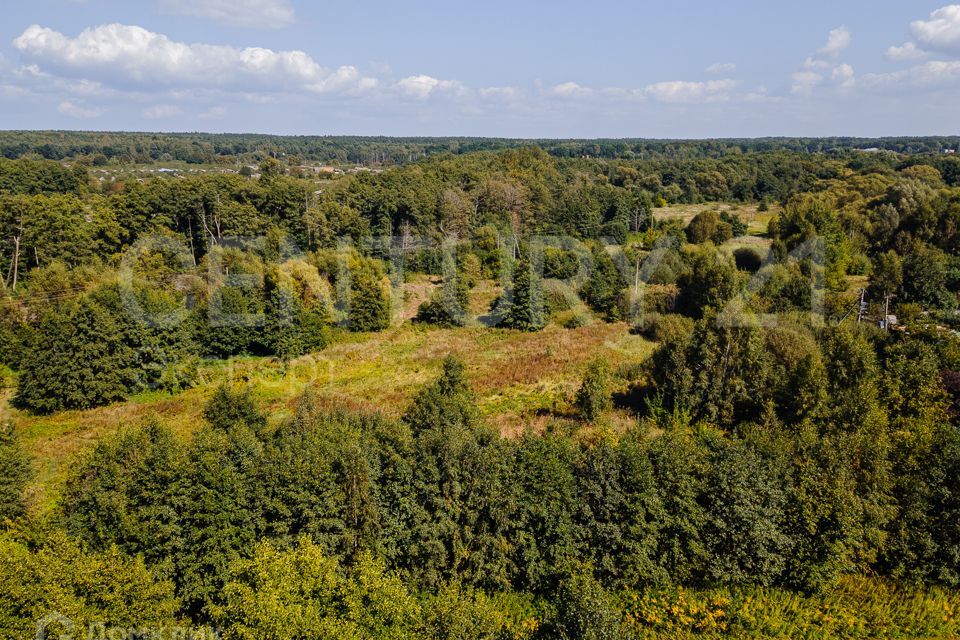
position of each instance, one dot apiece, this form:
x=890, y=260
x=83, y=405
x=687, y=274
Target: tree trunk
x=636, y=277
x=16, y=260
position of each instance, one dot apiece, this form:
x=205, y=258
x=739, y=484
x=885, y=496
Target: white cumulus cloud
x=941, y=31
x=804, y=82
x=681, y=91
x=570, y=90
x=422, y=87
x=908, y=51
x=722, y=68
x=127, y=55
x=843, y=76
x=347, y=79
x=673, y=91
x=238, y=13
x=838, y=40
x=815, y=67
x=500, y=93
x=74, y=110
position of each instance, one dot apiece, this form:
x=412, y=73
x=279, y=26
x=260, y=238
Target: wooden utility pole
x=863, y=305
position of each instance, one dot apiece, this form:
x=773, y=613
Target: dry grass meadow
x=756, y=220
x=522, y=380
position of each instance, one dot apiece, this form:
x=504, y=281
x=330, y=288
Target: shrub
x=369, y=301
x=676, y=612
x=653, y=299
x=723, y=233
x=595, y=394
x=616, y=230
x=710, y=281
x=703, y=227
x=57, y=576
x=747, y=259
x=229, y=407
x=447, y=306
x=310, y=595
x=666, y=327
x=456, y=612
x=909, y=312
x=737, y=226
x=859, y=265
x=574, y=320
x=560, y=263
x=855, y=608
x=14, y=474
x=179, y=375
x=584, y=610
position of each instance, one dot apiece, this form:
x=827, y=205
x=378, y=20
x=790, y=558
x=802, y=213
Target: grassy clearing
x=756, y=220
x=758, y=244
x=521, y=379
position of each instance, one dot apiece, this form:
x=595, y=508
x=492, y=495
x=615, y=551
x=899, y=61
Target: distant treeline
x=107, y=147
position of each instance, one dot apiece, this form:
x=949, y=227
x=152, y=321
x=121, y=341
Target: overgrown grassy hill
x=522, y=380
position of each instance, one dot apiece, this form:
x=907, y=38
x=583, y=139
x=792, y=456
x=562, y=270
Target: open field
x=521, y=380
x=756, y=220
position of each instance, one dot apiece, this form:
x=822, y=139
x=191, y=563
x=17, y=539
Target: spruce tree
x=125, y=492
x=222, y=498
x=229, y=408
x=314, y=325
x=521, y=306
x=78, y=359
x=283, y=328
x=603, y=288
x=459, y=507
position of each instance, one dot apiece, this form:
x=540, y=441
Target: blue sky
x=686, y=68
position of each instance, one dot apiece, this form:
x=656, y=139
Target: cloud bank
x=134, y=57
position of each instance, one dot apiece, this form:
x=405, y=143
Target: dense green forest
x=786, y=462
x=103, y=147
